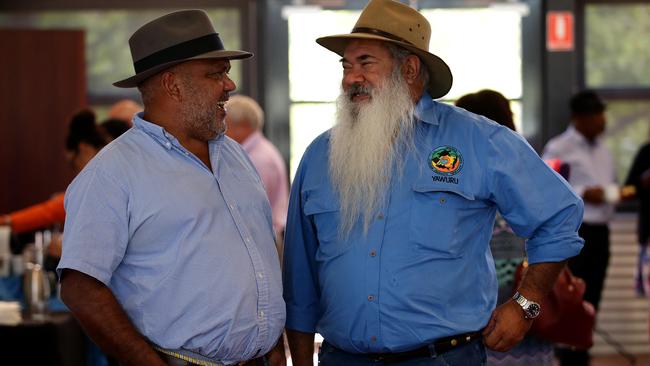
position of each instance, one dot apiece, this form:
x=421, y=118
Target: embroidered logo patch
x=446, y=160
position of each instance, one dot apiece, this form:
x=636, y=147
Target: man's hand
x=594, y=195
x=506, y=327
x=276, y=356
x=302, y=347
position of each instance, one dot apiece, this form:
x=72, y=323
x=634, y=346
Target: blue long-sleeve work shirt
x=424, y=269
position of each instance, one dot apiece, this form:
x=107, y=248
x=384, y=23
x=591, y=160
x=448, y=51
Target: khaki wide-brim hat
x=174, y=38
x=397, y=23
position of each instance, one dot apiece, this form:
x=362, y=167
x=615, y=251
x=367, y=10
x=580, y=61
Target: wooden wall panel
x=43, y=83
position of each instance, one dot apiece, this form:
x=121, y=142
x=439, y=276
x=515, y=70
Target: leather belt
x=176, y=359
x=438, y=347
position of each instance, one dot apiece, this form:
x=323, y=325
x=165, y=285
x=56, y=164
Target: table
x=57, y=340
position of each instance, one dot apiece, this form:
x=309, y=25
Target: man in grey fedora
x=391, y=212
x=168, y=250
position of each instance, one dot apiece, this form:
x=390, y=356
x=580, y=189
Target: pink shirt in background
x=271, y=168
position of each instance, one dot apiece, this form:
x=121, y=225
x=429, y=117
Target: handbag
x=566, y=318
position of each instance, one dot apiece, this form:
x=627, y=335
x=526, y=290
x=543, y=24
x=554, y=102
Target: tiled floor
x=599, y=360
x=615, y=360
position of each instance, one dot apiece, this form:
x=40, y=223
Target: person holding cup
x=593, y=177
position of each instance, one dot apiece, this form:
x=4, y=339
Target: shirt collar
x=158, y=133
x=424, y=110
x=252, y=140
x=580, y=138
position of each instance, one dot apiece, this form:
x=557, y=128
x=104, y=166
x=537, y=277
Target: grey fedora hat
x=171, y=39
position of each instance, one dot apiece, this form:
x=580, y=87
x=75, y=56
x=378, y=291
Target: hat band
x=380, y=33
x=187, y=49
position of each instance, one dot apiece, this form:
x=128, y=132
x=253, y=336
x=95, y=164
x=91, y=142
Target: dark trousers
x=591, y=266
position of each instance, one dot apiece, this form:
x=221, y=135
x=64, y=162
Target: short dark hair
x=112, y=128
x=586, y=102
x=489, y=103
x=83, y=128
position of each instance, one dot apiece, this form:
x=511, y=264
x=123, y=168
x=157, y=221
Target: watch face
x=532, y=311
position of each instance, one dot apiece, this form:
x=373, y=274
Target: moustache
x=356, y=89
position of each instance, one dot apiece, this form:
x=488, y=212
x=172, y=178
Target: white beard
x=367, y=142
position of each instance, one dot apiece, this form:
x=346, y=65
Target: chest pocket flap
x=441, y=216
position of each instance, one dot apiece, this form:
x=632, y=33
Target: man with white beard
x=391, y=213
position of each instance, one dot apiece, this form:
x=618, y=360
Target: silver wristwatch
x=531, y=308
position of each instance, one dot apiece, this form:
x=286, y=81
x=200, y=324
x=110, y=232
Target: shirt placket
x=260, y=273
x=373, y=277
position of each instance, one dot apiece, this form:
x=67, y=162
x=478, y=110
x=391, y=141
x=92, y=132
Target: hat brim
x=136, y=79
x=440, y=77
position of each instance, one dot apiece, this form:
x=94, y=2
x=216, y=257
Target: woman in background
x=85, y=139
x=507, y=248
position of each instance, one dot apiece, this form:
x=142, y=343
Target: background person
x=245, y=120
x=168, y=253
x=507, y=248
x=124, y=110
x=391, y=213
x=639, y=178
x=592, y=175
x=85, y=138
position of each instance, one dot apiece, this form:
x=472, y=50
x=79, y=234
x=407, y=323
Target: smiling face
x=366, y=65
x=205, y=86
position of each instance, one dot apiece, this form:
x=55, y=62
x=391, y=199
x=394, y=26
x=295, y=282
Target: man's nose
x=229, y=85
x=353, y=76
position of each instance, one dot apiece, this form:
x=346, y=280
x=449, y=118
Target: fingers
x=505, y=329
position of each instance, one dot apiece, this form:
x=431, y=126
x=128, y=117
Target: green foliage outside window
x=628, y=127
x=617, y=45
x=108, y=58
x=616, y=57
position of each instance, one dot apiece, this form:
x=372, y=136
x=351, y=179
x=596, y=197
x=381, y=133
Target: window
x=482, y=46
x=108, y=58
x=628, y=127
x=616, y=65
x=617, y=46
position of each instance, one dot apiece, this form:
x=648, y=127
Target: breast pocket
x=440, y=219
x=323, y=211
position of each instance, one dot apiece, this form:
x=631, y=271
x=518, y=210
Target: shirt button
x=371, y=298
x=373, y=339
x=443, y=200
x=260, y=275
x=261, y=314
x=231, y=207
x=380, y=217
x=373, y=253
x=168, y=145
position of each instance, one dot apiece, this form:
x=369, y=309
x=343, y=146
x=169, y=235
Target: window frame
x=247, y=29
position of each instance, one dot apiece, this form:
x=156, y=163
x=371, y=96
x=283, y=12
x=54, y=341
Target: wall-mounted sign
x=559, y=31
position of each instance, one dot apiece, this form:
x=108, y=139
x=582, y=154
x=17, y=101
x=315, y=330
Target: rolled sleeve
x=536, y=202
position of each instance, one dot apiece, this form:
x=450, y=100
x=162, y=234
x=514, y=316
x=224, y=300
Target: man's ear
x=169, y=83
x=411, y=68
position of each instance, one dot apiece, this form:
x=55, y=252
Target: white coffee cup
x=612, y=193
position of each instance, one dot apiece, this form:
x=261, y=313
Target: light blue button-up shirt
x=424, y=270
x=188, y=252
